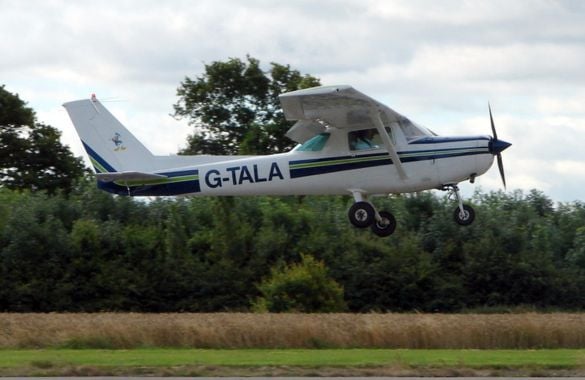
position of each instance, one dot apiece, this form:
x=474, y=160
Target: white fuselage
x=428, y=162
x=277, y=174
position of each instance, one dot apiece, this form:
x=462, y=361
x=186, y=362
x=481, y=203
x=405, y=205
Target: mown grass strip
x=562, y=358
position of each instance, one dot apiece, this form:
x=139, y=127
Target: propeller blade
x=497, y=146
x=501, y=167
x=492, y=122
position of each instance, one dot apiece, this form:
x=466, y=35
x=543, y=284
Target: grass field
x=241, y=344
x=243, y=330
x=310, y=358
x=254, y=361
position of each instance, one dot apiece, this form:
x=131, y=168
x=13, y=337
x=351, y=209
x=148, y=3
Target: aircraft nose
x=498, y=146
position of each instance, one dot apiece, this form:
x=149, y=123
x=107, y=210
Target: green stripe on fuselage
x=338, y=162
x=333, y=161
x=162, y=181
x=442, y=152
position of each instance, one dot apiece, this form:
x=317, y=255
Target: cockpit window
x=315, y=143
x=366, y=139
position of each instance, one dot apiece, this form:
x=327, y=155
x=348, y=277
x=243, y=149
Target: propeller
x=497, y=147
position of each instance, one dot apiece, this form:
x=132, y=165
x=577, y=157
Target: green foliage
x=31, y=154
x=35, y=252
x=234, y=107
x=303, y=287
x=92, y=251
x=576, y=255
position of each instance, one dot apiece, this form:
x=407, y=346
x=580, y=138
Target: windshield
x=314, y=144
x=412, y=131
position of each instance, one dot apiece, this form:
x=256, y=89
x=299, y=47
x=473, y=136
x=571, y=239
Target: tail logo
x=118, y=142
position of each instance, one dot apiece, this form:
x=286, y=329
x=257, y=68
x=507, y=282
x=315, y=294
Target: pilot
x=361, y=140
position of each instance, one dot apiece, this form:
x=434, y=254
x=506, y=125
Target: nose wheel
x=464, y=217
x=463, y=214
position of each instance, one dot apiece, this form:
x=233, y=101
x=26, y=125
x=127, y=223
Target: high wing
x=336, y=106
x=340, y=107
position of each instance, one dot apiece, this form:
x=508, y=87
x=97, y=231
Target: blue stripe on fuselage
x=324, y=168
x=446, y=139
x=180, y=173
x=361, y=161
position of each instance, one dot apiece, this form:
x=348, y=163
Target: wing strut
x=375, y=114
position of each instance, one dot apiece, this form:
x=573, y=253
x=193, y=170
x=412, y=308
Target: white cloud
x=570, y=168
x=436, y=62
x=565, y=106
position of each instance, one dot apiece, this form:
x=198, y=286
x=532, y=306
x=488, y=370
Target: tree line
x=89, y=251
x=66, y=246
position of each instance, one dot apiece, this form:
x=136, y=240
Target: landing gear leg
x=464, y=215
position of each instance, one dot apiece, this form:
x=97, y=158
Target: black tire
x=386, y=226
x=467, y=218
x=361, y=214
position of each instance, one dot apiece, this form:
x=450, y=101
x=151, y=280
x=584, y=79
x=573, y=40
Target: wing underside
x=335, y=106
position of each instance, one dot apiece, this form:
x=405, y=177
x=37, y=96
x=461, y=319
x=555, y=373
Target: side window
x=365, y=139
x=315, y=143
x=389, y=131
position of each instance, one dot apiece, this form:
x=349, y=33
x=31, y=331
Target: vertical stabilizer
x=110, y=146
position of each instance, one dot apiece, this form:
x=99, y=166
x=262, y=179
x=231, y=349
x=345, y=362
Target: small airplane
x=349, y=144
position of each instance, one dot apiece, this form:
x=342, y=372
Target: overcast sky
x=436, y=62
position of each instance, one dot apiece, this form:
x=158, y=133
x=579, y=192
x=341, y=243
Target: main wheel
x=465, y=217
x=386, y=226
x=361, y=214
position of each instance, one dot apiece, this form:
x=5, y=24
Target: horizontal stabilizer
x=128, y=176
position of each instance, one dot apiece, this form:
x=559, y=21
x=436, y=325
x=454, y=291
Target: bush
x=304, y=287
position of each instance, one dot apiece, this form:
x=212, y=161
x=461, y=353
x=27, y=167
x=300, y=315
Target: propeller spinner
x=497, y=147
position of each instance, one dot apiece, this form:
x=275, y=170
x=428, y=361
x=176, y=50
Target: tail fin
x=110, y=146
